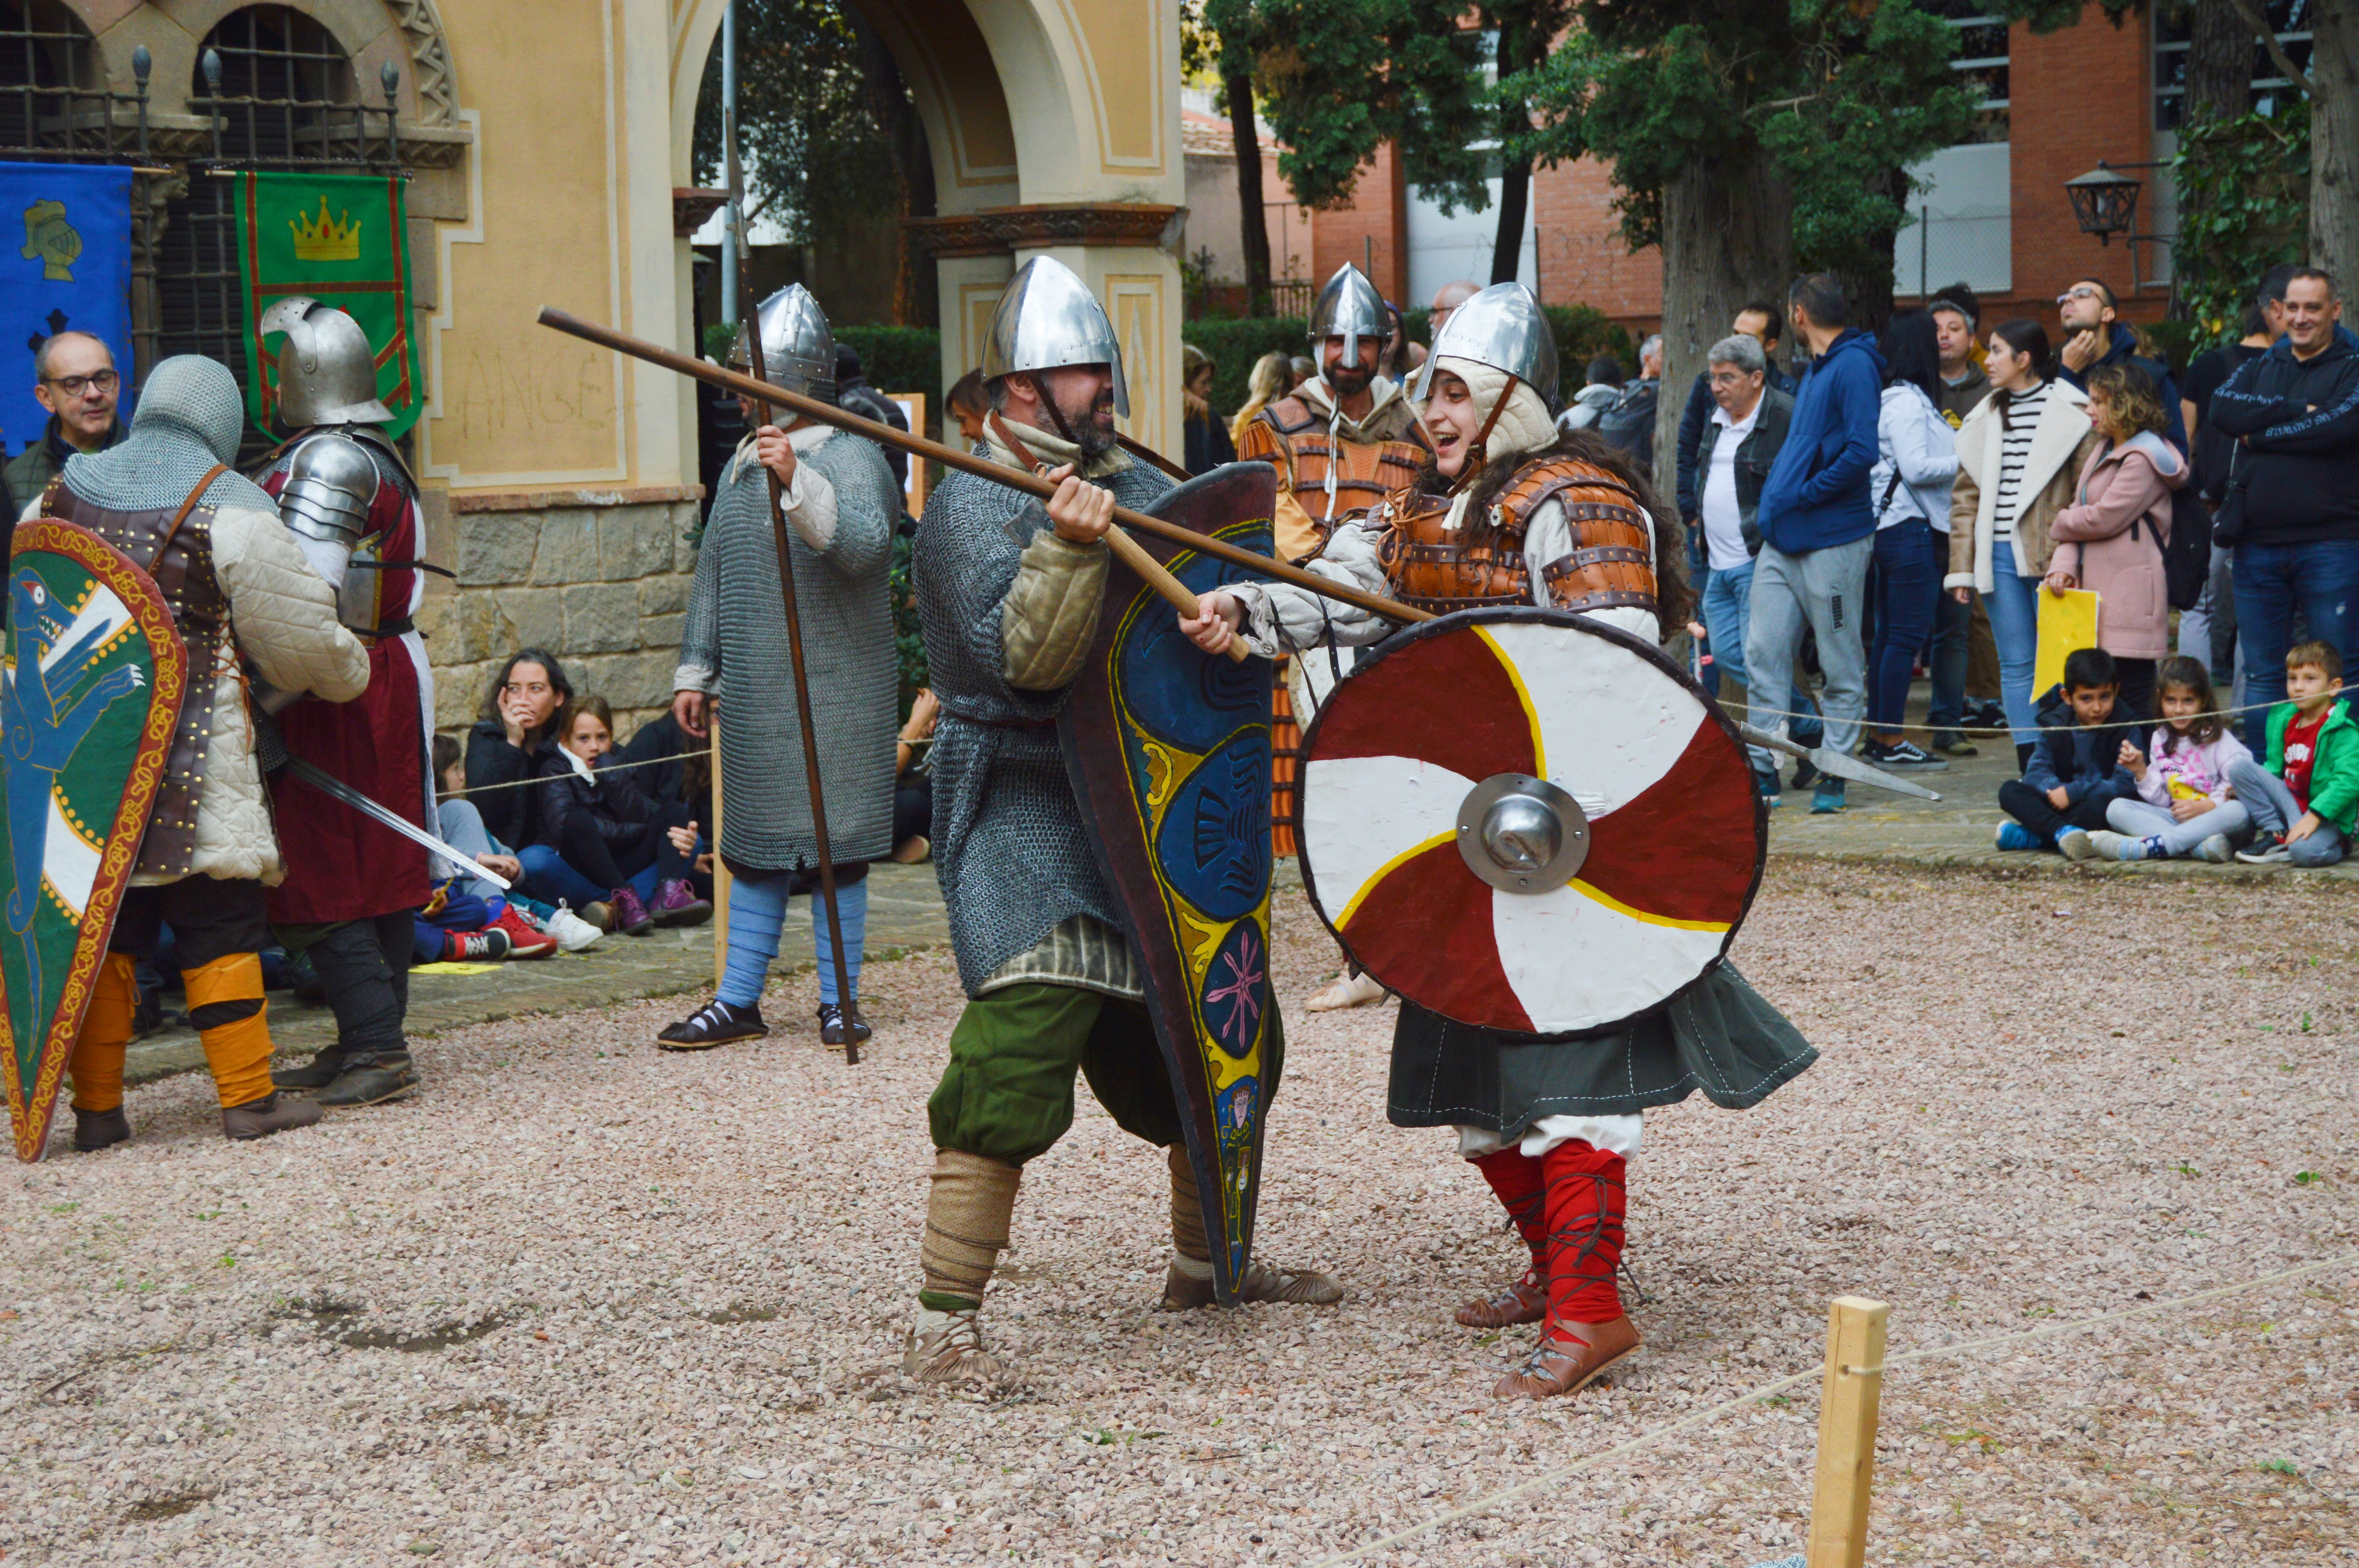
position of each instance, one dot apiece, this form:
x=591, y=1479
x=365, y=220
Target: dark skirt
x=1718, y=1035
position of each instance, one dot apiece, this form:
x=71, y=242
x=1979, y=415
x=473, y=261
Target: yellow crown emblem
x=326, y=239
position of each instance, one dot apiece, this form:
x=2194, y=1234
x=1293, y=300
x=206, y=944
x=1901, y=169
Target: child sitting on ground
x=2185, y=803
x=2074, y=771
x=467, y=919
x=602, y=837
x=2303, y=801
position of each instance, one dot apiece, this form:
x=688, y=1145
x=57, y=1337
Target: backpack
x=1629, y=424
x=2187, y=554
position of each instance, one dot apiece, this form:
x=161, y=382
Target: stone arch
x=408, y=32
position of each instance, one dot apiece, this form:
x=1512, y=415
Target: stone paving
x=905, y=913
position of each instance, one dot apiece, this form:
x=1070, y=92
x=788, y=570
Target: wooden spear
x=951, y=458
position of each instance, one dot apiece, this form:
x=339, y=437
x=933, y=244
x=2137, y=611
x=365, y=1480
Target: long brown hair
x=1674, y=598
x=2209, y=724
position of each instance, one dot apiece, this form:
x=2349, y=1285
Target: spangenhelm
x=798, y=350
x=1349, y=308
x=327, y=371
x=1501, y=326
x=1048, y=319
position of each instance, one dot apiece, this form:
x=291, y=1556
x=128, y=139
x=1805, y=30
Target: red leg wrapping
x=1584, y=1232
x=1517, y=1180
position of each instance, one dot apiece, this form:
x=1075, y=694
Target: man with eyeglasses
x=2092, y=337
x=74, y=379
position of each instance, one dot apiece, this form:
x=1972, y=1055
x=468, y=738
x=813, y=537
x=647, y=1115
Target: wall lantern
x=2104, y=201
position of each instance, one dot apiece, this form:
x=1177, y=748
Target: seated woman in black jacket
x=519, y=723
x=597, y=836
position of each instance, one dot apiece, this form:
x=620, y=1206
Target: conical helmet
x=1048, y=319
x=1350, y=308
x=327, y=371
x=798, y=350
x=1501, y=326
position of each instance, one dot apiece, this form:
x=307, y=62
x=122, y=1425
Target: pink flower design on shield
x=1237, y=976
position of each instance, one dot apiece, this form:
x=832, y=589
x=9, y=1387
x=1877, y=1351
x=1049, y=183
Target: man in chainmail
x=1008, y=594
x=841, y=503
x=239, y=589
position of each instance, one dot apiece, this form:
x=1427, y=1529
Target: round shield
x=1525, y=820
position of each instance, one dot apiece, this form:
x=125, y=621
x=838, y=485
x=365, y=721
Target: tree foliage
x=817, y=156
x=2243, y=196
x=1840, y=96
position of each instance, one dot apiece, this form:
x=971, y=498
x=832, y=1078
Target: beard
x=1349, y=380
x=1094, y=438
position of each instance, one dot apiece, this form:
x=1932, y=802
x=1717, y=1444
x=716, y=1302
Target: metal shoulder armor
x=331, y=482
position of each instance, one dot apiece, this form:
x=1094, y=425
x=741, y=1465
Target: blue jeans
x=1700, y=573
x=2273, y=807
x=2014, y=606
x=1727, y=609
x=2270, y=580
x=1908, y=582
x=1953, y=626
x=547, y=877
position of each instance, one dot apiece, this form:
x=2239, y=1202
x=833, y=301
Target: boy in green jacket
x=2303, y=801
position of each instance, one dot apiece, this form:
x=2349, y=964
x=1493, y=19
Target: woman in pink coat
x=2110, y=540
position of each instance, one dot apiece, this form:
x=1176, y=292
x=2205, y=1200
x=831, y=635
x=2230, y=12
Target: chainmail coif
x=190, y=414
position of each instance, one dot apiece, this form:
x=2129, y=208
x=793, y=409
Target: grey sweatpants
x=1820, y=590
x=2274, y=807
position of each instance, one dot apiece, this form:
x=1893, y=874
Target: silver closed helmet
x=327, y=371
x=1503, y=327
x=1349, y=307
x=1048, y=320
x=798, y=348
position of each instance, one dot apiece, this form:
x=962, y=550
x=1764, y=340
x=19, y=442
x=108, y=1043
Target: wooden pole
x=966, y=463
x=1848, y=1404
x=720, y=878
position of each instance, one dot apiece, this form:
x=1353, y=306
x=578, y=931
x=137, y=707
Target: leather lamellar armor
x=180, y=562
x=1609, y=564
x=1366, y=472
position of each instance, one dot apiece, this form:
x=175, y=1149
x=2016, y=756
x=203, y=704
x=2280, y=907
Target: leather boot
x=317, y=1074
x=371, y=1080
x=97, y=1129
x=273, y=1112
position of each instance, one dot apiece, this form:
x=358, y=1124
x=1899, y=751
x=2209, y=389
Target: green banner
x=344, y=240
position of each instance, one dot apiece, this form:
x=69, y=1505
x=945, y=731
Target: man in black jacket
x=2292, y=500
x=1760, y=319
x=2092, y=337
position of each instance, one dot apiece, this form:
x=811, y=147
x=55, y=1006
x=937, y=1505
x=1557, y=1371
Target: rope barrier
x=1932, y=1352
x=1755, y=713
x=602, y=772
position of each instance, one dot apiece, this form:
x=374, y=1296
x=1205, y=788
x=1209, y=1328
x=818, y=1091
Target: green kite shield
x=90, y=690
x=1169, y=750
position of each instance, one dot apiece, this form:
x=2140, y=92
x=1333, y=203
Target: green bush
x=1234, y=345
x=900, y=359
x=2244, y=206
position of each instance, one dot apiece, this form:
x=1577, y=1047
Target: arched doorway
x=1053, y=127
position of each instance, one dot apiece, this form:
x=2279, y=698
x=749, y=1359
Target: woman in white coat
x=2019, y=456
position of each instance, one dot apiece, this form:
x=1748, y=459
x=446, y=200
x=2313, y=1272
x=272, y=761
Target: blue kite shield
x=1169, y=749
x=65, y=267
x=89, y=691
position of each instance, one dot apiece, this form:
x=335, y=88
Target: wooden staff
x=752, y=317
x=998, y=473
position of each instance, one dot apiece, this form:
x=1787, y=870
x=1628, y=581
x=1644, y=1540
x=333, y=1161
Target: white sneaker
x=572, y=932
x=2117, y=846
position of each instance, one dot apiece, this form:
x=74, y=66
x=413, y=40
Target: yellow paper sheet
x=2068, y=621
x=452, y=968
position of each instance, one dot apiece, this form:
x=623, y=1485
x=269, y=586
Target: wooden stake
x=1848, y=1405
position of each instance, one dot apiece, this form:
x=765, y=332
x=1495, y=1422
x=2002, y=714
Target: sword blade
x=328, y=784
x=1841, y=764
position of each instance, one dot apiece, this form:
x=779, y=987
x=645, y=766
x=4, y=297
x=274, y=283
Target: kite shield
x=89, y=691
x=1169, y=750
x=1527, y=820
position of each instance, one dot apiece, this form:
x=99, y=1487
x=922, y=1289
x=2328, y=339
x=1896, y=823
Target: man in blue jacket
x=1817, y=526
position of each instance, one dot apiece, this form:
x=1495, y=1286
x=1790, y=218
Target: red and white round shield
x=1525, y=820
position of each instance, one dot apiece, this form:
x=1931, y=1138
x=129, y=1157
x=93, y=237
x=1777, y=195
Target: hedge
x=895, y=359
x=1582, y=333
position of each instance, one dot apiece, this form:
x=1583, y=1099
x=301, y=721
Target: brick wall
x=1582, y=259
x=2078, y=95
x=602, y=584
x=1378, y=219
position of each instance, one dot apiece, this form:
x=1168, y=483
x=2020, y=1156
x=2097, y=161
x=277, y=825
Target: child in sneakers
x=2185, y=802
x=2304, y=800
x=601, y=837
x=467, y=918
x=2074, y=771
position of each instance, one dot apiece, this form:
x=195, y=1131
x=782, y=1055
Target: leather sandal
x=1524, y=1301
x=1569, y=1364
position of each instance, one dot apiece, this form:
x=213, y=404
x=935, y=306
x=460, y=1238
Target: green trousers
x=1008, y=1094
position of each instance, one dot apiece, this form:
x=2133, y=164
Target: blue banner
x=65, y=267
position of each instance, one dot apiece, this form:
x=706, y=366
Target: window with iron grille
x=280, y=94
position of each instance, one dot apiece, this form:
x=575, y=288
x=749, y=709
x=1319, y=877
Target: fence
x=1974, y=246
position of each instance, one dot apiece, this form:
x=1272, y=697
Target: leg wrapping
x=96, y=1065
x=967, y=1215
x=1187, y=1235
x=226, y=1005
x=1519, y=1183
x=1584, y=1232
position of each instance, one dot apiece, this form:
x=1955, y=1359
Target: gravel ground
x=585, y=1303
